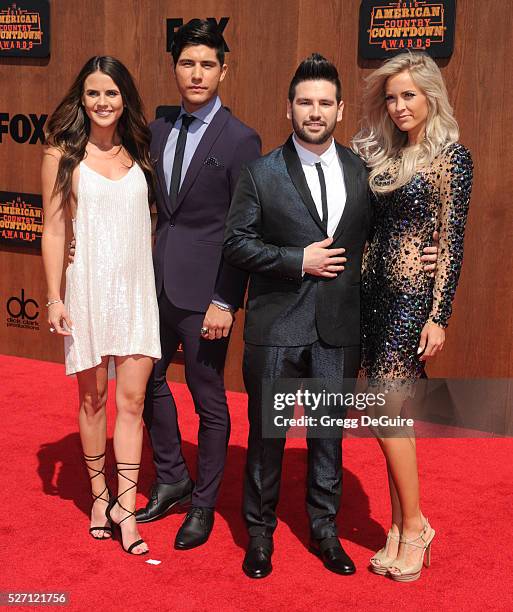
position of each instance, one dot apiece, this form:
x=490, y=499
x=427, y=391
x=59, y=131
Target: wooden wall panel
x=478, y=76
x=267, y=39
x=36, y=86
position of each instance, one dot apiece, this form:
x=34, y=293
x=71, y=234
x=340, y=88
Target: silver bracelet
x=52, y=302
x=223, y=308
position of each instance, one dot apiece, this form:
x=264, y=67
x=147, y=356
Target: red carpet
x=467, y=494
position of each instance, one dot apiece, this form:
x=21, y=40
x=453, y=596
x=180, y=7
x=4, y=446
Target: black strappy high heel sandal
x=115, y=500
x=105, y=528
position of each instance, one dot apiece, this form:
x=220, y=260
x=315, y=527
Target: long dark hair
x=69, y=126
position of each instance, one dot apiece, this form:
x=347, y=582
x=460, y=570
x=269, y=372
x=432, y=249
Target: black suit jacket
x=272, y=219
x=189, y=238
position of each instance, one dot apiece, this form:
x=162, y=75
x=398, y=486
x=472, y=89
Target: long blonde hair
x=380, y=141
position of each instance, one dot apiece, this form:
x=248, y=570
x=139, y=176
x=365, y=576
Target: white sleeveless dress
x=110, y=286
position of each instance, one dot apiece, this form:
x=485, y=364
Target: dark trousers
x=265, y=455
x=204, y=365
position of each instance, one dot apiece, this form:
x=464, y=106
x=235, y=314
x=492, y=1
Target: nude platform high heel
x=380, y=562
x=402, y=573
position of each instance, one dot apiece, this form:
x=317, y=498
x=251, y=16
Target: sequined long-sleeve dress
x=398, y=297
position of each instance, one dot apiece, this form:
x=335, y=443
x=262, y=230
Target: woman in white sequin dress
x=97, y=172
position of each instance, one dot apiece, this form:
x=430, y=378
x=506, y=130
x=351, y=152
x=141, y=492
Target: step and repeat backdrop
x=44, y=44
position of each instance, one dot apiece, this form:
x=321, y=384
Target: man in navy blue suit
x=198, y=153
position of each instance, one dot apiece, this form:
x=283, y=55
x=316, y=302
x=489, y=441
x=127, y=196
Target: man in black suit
x=299, y=217
x=198, y=154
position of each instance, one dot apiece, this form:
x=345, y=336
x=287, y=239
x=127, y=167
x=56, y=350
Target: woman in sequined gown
x=97, y=173
x=420, y=180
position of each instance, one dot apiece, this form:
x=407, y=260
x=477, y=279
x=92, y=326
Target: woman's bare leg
x=397, y=519
x=92, y=423
x=400, y=452
x=132, y=374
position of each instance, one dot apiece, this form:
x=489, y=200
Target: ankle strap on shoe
x=101, y=471
x=419, y=537
x=127, y=468
x=89, y=458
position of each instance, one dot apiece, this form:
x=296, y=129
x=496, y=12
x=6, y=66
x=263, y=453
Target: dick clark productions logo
x=23, y=312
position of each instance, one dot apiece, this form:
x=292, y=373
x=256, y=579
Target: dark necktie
x=176, y=173
x=324, y=196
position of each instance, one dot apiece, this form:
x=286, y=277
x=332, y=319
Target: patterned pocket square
x=212, y=161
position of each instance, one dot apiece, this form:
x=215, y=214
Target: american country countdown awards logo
x=21, y=219
x=25, y=28
x=22, y=312
x=418, y=25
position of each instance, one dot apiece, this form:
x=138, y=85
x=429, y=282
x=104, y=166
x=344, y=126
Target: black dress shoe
x=334, y=557
x=257, y=562
x=163, y=497
x=195, y=529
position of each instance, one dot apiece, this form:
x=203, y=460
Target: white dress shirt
x=334, y=177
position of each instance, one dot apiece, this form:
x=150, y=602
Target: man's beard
x=313, y=139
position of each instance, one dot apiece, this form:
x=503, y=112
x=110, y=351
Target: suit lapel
x=164, y=135
x=351, y=188
x=209, y=137
x=297, y=176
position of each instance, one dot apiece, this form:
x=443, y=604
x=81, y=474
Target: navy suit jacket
x=188, y=259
